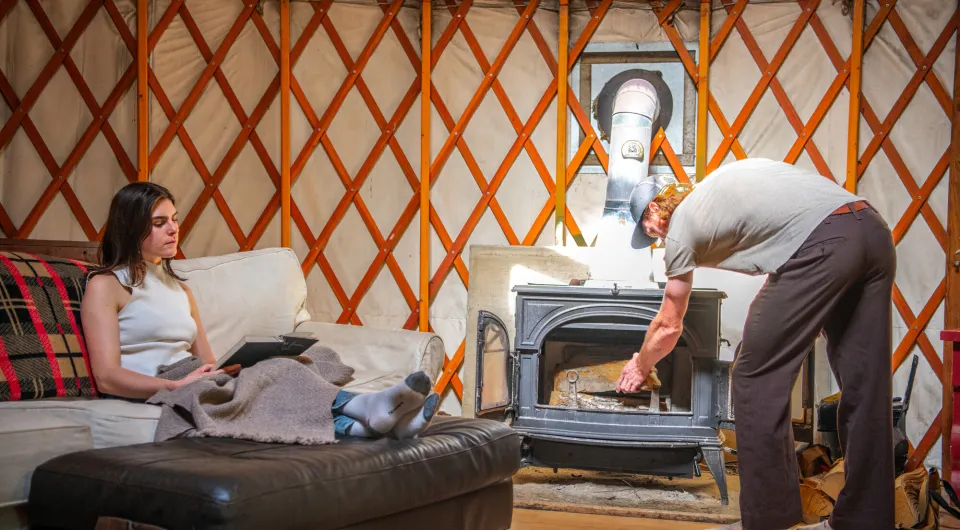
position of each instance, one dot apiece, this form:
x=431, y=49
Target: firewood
x=814, y=501
x=833, y=480
x=814, y=481
x=653, y=382
x=910, y=497
x=813, y=460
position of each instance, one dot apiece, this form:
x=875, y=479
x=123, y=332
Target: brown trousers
x=840, y=281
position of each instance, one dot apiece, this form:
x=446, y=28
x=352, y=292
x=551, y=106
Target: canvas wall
x=214, y=136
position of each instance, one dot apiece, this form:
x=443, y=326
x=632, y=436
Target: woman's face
x=162, y=241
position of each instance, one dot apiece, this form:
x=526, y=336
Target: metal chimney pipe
x=629, y=187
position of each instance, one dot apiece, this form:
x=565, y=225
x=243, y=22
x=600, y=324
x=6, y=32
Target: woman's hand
x=199, y=373
x=232, y=370
x=633, y=376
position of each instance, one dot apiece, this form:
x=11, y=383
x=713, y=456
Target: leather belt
x=857, y=206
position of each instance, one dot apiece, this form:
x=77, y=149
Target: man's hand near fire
x=634, y=377
x=662, y=335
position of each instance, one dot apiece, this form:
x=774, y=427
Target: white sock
x=380, y=411
x=359, y=430
x=417, y=421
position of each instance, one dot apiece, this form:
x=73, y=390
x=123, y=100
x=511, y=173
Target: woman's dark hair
x=128, y=225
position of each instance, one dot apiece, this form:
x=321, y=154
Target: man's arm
x=662, y=335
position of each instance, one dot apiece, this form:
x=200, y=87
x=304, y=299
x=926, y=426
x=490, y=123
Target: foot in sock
x=417, y=421
x=381, y=411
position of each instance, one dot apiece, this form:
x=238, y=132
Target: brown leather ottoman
x=457, y=475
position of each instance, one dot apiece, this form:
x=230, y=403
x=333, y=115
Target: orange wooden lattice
x=248, y=124
x=99, y=124
x=523, y=142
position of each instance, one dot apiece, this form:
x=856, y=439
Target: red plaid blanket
x=42, y=351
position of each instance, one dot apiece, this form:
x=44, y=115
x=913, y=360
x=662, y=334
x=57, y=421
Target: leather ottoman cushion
x=226, y=483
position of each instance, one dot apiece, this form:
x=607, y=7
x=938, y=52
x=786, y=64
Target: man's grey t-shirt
x=749, y=216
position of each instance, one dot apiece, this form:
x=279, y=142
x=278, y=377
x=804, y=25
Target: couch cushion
x=32, y=432
x=260, y=292
x=381, y=358
x=28, y=442
x=223, y=483
x=111, y=422
x=42, y=352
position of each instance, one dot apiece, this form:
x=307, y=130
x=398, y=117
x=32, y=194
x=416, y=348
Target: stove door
x=495, y=365
x=724, y=373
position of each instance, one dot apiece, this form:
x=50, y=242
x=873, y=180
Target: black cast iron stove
x=557, y=385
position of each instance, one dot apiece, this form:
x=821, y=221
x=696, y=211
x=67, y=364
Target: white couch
x=260, y=292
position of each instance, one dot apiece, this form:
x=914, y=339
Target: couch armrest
x=380, y=357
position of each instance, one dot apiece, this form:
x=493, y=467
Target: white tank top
x=156, y=327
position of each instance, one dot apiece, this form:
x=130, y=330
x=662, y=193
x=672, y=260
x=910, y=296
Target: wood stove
x=556, y=386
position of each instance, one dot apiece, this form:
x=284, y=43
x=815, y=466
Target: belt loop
x=853, y=211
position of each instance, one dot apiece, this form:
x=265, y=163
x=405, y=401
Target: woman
x=139, y=316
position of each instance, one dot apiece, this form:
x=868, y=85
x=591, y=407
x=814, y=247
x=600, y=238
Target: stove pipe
x=629, y=187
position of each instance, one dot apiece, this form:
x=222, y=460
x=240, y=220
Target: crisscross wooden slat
x=777, y=89
x=321, y=126
x=915, y=336
x=923, y=448
x=842, y=79
x=918, y=199
x=385, y=245
x=768, y=74
x=177, y=117
x=20, y=117
x=490, y=191
x=924, y=69
x=591, y=140
x=387, y=136
x=659, y=142
x=733, y=15
x=384, y=255
x=512, y=116
x=524, y=133
x=10, y=97
x=691, y=67
x=273, y=205
x=247, y=124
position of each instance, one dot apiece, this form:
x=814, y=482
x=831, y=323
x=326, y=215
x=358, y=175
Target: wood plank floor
x=544, y=520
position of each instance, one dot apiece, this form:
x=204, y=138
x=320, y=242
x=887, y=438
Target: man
x=831, y=262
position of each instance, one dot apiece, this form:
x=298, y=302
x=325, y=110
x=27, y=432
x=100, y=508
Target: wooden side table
x=953, y=336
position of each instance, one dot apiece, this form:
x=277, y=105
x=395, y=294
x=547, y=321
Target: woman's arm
x=201, y=347
x=101, y=329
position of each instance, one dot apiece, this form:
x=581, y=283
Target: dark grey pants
x=840, y=281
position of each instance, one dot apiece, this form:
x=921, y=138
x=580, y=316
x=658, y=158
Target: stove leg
x=714, y=458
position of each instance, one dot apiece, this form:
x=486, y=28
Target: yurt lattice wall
x=302, y=124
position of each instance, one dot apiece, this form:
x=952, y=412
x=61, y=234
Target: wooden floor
x=544, y=520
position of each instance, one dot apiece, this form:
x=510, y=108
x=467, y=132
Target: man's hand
x=632, y=377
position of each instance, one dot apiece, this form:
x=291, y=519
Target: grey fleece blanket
x=280, y=400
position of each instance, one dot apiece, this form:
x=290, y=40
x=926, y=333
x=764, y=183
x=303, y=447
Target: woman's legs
x=376, y=414
x=345, y=425
x=417, y=421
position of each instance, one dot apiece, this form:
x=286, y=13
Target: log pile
x=823, y=479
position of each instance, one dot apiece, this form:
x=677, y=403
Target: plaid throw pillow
x=42, y=351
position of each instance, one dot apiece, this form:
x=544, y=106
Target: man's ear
x=654, y=208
